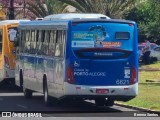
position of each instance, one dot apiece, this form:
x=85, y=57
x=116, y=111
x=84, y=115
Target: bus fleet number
x=122, y=82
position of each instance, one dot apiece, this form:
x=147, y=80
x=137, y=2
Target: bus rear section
x=8, y=53
x=102, y=60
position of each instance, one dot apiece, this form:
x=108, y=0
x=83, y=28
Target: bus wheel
x=109, y=102
x=47, y=98
x=100, y=102
x=27, y=93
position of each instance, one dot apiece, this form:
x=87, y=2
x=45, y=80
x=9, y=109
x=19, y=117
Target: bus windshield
x=12, y=32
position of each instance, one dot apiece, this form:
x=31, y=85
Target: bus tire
x=109, y=102
x=21, y=80
x=27, y=93
x=100, y=102
x=47, y=98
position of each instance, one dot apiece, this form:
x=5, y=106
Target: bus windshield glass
x=12, y=33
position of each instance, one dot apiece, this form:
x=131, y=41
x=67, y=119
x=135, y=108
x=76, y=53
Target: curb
x=137, y=108
x=152, y=83
x=149, y=70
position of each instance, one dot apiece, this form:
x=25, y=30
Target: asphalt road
x=14, y=101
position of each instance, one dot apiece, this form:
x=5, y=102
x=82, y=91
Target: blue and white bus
x=94, y=59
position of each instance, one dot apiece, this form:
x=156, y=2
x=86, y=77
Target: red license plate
x=102, y=91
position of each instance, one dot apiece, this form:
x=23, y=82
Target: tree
x=11, y=10
x=42, y=9
x=55, y=7
x=153, y=26
x=36, y=9
x=147, y=15
x=111, y=8
x=140, y=13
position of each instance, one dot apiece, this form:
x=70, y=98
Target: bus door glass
x=102, y=53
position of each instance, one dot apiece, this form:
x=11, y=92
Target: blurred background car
x=141, y=47
x=155, y=53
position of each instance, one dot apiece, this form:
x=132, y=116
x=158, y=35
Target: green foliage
x=147, y=15
x=111, y=8
x=141, y=13
x=55, y=7
x=39, y=9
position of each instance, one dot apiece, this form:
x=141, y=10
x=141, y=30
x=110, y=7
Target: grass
x=148, y=75
x=148, y=97
x=148, y=93
x=155, y=65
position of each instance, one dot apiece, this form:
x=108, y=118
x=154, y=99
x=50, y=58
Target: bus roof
x=65, y=22
x=40, y=24
x=11, y=21
x=104, y=20
x=75, y=16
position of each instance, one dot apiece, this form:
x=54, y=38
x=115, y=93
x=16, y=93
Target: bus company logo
x=103, y=54
x=6, y=114
x=13, y=114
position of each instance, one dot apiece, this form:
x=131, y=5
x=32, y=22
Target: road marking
x=23, y=106
x=11, y=94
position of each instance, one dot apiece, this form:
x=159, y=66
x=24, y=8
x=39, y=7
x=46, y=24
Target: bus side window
x=45, y=41
x=27, y=42
x=57, y=49
x=52, y=41
x=60, y=43
x=22, y=40
x=63, y=41
x=0, y=40
x=39, y=42
x=33, y=42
